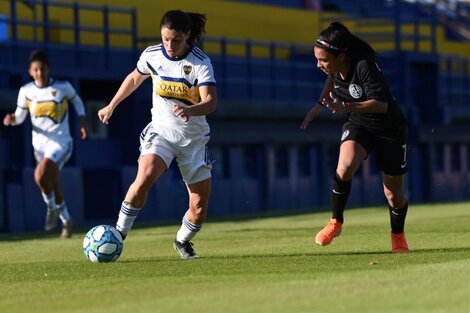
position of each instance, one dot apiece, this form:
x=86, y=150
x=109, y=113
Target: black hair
x=185, y=22
x=38, y=55
x=337, y=38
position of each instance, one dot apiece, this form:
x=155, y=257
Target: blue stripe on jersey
x=154, y=48
x=176, y=80
x=187, y=102
x=152, y=69
x=199, y=53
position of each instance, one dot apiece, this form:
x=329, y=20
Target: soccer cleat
x=123, y=236
x=329, y=232
x=185, y=249
x=399, y=243
x=67, y=229
x=52, y=218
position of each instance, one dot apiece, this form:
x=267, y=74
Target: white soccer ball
x=102, y=243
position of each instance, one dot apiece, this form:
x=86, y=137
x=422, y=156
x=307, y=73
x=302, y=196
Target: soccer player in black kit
x=356, y=86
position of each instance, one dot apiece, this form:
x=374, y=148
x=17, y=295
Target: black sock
x=339, y=195
x=397, y=218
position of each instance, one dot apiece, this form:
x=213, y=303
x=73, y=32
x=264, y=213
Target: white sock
x=64, y=212
x=187, y=231
x=127, y=216
x=49, y=200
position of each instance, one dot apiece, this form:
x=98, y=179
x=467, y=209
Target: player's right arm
x=128, y=86
x=315, y=111
x=16, y=118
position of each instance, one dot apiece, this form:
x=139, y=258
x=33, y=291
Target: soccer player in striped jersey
x=184, y=92
x=47, y=101
x=356, y=86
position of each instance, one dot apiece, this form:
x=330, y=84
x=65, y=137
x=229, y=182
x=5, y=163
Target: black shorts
x=390, y=148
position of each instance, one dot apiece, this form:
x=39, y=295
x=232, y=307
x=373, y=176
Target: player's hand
x=9, y=119
x=181, y=111
x=83, y=128
x=336, y=105
x=311, y=115
x=105, y=114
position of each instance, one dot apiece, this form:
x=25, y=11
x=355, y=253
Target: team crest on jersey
x=54, y=93
x=355, y=91
x=187, y=69
x=345, y=134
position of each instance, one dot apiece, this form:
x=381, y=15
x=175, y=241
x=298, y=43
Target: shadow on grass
x=297, y=255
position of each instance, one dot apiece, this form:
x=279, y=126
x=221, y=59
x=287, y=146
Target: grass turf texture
x=268, y=264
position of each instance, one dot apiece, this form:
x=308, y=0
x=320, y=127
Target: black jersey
x=365, y=81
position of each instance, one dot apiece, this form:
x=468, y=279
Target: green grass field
x=267, y=264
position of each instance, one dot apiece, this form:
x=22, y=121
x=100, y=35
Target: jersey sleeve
x=21, y=107
x=372, y=80
x=206, y=73
x=74, y=98
x=142, y=65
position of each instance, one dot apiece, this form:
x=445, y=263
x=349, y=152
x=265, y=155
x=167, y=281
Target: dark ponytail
x=185, y=22
x=337, y=39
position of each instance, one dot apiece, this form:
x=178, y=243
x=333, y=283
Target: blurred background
x=267, y=80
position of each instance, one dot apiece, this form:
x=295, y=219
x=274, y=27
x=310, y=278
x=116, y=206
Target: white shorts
x=58, y=151
x=193, y=159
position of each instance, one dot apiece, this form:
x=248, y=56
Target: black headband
x=324, y=44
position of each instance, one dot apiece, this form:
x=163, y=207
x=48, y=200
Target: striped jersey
x=177, y=81
x=48, y=108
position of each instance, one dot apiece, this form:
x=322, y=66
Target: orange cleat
x=399, y=244
x=329, y=232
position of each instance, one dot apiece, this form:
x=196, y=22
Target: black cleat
x=185, y=249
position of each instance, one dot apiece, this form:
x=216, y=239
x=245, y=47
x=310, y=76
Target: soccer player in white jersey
x=184, y=92
x=47, y=101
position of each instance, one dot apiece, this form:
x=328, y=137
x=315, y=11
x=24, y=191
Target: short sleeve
x=69, y=91
x=371, y=78
x=21, y=101
x=142, y=65
x=206, y=74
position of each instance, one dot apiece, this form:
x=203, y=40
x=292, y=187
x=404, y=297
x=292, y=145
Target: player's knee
x=344, y=172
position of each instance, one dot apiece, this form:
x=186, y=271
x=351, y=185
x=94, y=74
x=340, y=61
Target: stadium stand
x=265, y=70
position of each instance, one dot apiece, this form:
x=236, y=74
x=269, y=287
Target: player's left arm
x=207, y=105
x=79, y=108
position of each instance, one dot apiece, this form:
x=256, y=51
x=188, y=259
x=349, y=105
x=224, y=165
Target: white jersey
x=177, y=80
x=48, y=108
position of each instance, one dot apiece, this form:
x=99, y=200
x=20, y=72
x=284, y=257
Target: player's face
x=327, y=61
x=39, y=71
x=175, y=42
